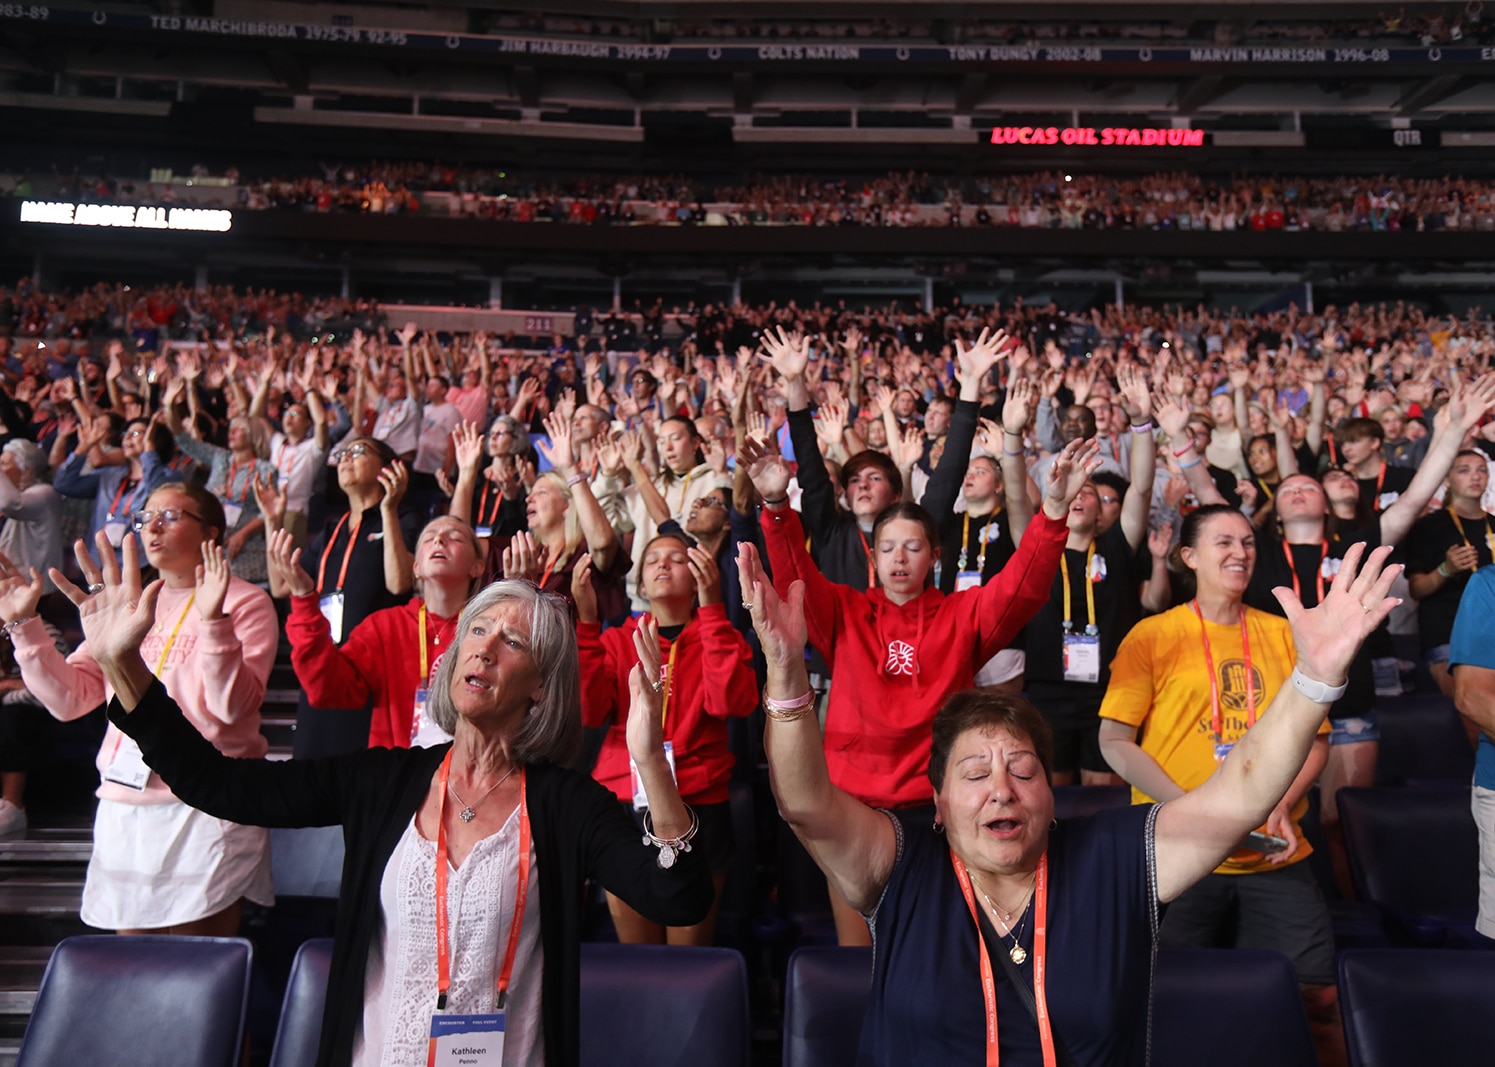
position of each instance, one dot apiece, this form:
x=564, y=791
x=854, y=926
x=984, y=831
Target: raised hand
x=467, y=444
x=212, y=582
x=1160, y=540
x=271, y=500
x=767, y=469
x=716, y=456
x=19, y=594
x=1328, y=636
x=284, y=561
x=407, y=334
x=117, y=617
x=1071, y=469
x=524, y=558
x=395, y=478
x=852, y=342
x=645, y=730
x=1133, y=385
x=559, y=452
x=609, y=455
x=707, y=574
x=565, y=404
x=1240, y=375
x=757, y=426
x=582, y=591
x=830, y=425
x=780, y=623
x=1468, y=405
x=788, y=353
x=974, y=363
x=906, y=447
x=1017, y=409
x=1172, y=416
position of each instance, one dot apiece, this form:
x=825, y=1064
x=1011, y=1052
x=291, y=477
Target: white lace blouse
x=400, y=981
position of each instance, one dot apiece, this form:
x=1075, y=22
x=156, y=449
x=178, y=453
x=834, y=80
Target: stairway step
x=282, y=697
x=21, y=972
x=41, y=897
x=59, y=845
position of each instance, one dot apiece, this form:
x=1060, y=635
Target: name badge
x=1222, y=749
x=115, y=532
x=483, y=531
x=1097, y=568
x=1081, y=658
x=128, y=766
x=232, y=513
x=424, y=733
x=466, y=1040
x=967, y=580
x=1385, y=500
x=331, y=606
x=640, y=801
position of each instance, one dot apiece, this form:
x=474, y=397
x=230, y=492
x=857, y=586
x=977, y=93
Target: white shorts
x=1003, y=667
x=158, y=865
x=1483, y=805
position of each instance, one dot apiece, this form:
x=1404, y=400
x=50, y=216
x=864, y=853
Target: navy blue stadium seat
x=825, y=999
x=655, y=1004
x=1077, y=801
x=1409, y=1007
x=300, y=1028
x=1243, y=1005
x=1414, y=853
x=1422, y=739
x=147, y=1001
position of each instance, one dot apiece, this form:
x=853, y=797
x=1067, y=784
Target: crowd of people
x=1042, y=200
x=533, y=595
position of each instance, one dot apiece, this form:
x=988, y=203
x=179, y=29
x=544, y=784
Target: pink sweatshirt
x=215, y=670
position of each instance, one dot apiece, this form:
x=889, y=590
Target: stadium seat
x=1077, y=801
x=656, y=1004
x=1241, y=1004
x=300, y=1029
x=1406, y=1007
x=1422, y=739
x=1414, y=853
x=147, y=1001
x=307, y=861
x=825, y=998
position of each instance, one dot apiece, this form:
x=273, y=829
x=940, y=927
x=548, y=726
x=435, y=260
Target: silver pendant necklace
x=470, y=811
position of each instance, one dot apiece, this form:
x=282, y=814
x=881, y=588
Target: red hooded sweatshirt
x=893, y=666
x=379, y=660
x=711, y=681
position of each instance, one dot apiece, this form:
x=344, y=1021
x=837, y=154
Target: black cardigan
x=580, y=831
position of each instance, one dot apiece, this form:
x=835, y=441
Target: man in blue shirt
x=1472, y=661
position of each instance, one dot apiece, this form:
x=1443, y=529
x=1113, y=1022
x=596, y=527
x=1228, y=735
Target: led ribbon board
x=126, y=217
x=1104, y=136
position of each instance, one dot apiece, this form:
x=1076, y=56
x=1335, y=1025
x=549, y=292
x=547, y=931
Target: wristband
x=1145, y=427
x=1009, y=452
x=775, y=503
x=1190, y=466
x=1443, y=569
x=1318, y=692
x=10, y=628
x=1179, y=453
x=789, y=710
x=670, y=847
x=575, y=480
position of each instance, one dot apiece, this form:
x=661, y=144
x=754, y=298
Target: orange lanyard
x=443, y=949
x=1216, y=724
x=123, y=483
x=1459, y=525
x=669, y=682
x=228, y=486
x=497, y=503
x=1040, y=960
x=1333, y=452
x=347, y=553
x=1375, y=505
x=871, y=570
x=1292, y=568
x=425, y=653
x=548, y=568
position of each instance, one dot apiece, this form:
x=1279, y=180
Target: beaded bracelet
x=789, y=710
x=9, y=629
x=670, y=847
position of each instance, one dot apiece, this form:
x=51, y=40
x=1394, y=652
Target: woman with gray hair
x=491, y=829
x=33, y=535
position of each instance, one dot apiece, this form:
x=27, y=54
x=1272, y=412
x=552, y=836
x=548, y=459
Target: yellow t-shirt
x=1159, y=682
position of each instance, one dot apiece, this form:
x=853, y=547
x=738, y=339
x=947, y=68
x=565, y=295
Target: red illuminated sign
x=1105, y=136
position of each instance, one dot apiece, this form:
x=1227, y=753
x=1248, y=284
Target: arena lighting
x=125, y=217
x=1106, y=136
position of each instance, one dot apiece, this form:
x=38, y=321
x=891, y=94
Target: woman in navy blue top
x=999, y=933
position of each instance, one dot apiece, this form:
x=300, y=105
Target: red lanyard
x=1333, y=452
x=1380, y=481
x=1214, y=682
x=443, y=948
x=123, y=483
x=347, y=552
x=483, y=505
x=871, y=570
x=1292, y=568
x=228, y=486
x=1040, y=960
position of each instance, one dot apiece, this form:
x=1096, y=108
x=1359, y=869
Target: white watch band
x=1318, y=692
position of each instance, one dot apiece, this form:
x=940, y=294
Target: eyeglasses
x=351, y=452
x=1109, y=499
x=134, y=433
x=168, y=517
x=707, y=502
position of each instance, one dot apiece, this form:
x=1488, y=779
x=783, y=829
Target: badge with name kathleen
x=466, y=1041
